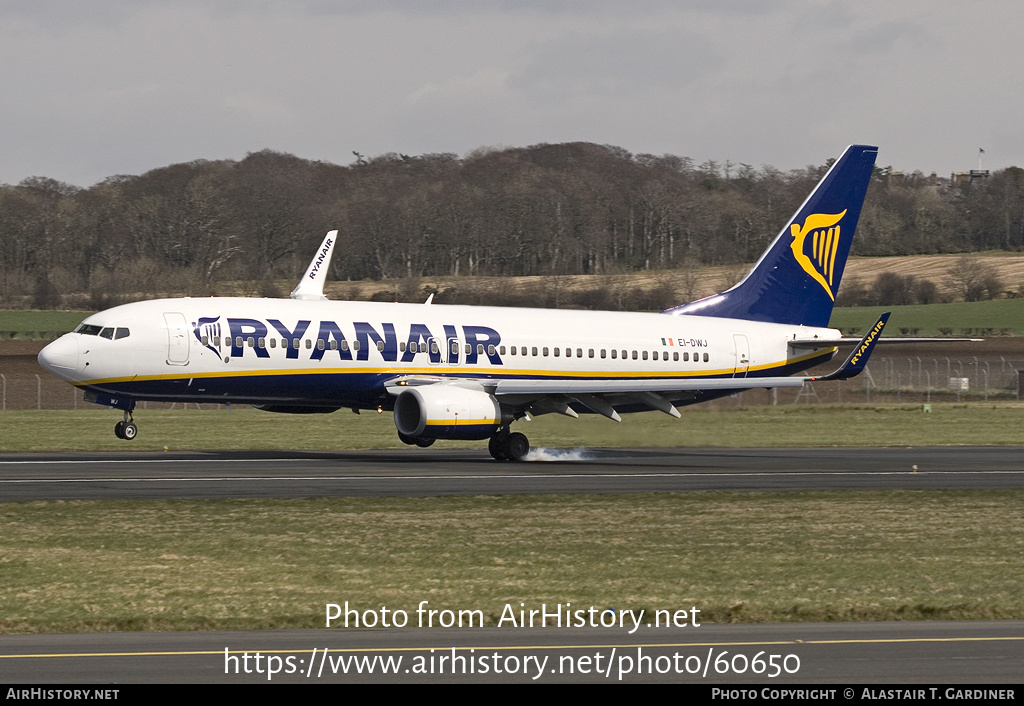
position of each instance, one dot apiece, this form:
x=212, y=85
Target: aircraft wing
x=555, y=394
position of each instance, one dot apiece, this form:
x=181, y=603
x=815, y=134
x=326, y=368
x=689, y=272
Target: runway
x=457, y=472
x=931, y=653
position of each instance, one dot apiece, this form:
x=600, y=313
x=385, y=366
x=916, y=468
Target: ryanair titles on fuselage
x=478, y=340
x=231, y=336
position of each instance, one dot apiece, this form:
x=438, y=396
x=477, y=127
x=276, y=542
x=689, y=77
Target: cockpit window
x=109, y=332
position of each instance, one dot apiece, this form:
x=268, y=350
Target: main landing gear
x=126, y=430
x=508, y=447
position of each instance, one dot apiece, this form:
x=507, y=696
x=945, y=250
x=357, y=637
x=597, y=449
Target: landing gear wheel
x=517, y=446
x=129, y=431
x=119, y=430
x=406, y=439
x=424, y=443
x=498, y=448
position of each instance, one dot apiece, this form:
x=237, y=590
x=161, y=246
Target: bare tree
x=973, y=280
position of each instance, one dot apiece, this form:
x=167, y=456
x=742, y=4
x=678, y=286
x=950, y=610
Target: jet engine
x=446, y=412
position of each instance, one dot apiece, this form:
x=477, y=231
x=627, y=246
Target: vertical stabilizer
x=311, y=286
x=796, y=280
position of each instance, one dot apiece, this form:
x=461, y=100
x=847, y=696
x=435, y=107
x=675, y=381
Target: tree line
x=204, y=227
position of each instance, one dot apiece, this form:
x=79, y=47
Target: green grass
x=737, y=556
x=977, y=423
x=999, y=315
x=23, y=324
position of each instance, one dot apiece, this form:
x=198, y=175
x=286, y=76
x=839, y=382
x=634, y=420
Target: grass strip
x=737, y=556
x=886, y=424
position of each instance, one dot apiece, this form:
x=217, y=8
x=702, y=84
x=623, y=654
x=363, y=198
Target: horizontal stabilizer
x=844, y=341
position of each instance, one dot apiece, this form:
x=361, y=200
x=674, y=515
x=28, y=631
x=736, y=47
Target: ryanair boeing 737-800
x=468, y=372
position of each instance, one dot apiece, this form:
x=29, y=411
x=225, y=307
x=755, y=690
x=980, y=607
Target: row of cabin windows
x=543, y=351
x=615, y=353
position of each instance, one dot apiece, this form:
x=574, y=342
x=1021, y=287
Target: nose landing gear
x=126, y=430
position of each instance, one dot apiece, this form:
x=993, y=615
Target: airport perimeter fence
x=886, y=379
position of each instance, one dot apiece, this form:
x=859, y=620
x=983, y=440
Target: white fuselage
x=336, y=353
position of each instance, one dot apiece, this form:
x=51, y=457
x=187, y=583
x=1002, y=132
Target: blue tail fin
x=796, y=279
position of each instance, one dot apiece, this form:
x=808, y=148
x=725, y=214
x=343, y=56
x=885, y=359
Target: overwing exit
x=464, y=372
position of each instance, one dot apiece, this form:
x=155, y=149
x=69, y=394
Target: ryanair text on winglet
x=868, y=340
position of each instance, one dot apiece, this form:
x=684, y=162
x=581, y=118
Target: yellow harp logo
x=823, y=230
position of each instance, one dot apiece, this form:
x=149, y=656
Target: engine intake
x=446, y=412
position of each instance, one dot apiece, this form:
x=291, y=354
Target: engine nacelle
x=446, y=412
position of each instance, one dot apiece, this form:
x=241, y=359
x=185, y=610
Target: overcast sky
x=90, y=89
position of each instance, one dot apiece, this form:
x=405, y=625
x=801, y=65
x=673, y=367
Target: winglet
x=311, y=286
x=859, y=357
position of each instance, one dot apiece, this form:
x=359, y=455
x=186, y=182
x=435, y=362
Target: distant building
x=975, y=176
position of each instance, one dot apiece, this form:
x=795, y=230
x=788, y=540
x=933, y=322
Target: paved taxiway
x=821, y=653
x=457, y=472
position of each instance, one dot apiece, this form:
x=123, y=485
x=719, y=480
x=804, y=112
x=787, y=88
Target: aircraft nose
x=60, y=358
